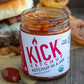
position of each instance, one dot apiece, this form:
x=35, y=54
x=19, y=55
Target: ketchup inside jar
x=45, y=42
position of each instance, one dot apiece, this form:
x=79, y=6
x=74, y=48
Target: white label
x=47, y=56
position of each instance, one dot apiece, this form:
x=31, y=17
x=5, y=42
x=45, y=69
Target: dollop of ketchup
x=11, y=74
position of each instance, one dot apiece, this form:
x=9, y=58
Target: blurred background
x=76, y=4
x=76, y=7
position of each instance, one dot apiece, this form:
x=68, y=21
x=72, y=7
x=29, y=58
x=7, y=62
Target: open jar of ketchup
x=45, y=42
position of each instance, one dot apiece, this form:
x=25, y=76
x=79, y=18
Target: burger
x=10, y=11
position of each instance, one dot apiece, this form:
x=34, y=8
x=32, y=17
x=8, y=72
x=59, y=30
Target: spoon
x=12, y=75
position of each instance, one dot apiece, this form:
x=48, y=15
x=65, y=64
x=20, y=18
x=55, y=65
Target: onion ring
x=40, y=5
x=77, y=32
x=10, y=49
x=55, y=3
x=72, y=17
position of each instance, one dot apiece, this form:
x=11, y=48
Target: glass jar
x=45, y=42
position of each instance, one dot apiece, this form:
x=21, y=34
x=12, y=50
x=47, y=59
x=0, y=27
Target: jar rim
x=66, y=14
x=59, y=19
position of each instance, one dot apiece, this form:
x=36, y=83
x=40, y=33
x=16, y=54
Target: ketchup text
x=39, y=57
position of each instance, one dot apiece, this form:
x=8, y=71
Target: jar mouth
x=56, y=13
x=53, y=19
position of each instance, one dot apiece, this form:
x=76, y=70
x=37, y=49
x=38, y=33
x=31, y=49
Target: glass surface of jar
x=45, y=42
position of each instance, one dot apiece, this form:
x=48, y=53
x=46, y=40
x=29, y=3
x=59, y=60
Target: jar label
x=45, y=56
